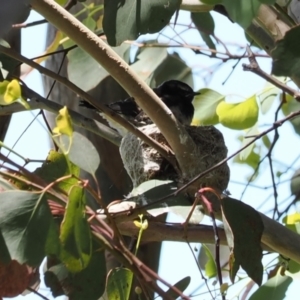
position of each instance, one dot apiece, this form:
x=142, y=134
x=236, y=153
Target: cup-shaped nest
x=143, y=162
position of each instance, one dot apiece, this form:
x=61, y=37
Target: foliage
x=44, y=213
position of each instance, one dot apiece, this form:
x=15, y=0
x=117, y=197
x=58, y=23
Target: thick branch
x=124, y=75
x=276, y=237
x=281, y=239
x=159, y=232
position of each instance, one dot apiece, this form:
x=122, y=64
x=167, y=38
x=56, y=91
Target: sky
x=240, y=85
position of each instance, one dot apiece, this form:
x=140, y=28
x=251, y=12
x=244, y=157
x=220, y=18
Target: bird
x=176, y=95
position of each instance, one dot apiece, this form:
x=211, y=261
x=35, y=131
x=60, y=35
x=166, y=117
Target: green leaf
x=290, y=106
x=84, y=154
x=119, y=283
x=207, y=262
x=173, y=67
x=205, y=24
x=267, y=97
x=275, y=288
x=52, y=246
x=242, y=115
x=246, y=140
x=13, y=91
x=295, y=184
x=5, y=44
x=54, y=277
x=63, y=123
x=8, y=65
x=266, y=141
x=88, y=284
x=24, y=223
x=148, y=61
x=205, y=107
x=210, y=266
x=129, y=19
x=150, y=191
x=80, y=62
x=182, y=284
x=75, y=235
x=252, y=160
x=286, y=54
x=4, y=251
x=242, y=11
x=90, y=23
x=61, y=2
x=292, y=222
x=293, y=268
x=57, y=166
x=244, y=228
x=3, y=87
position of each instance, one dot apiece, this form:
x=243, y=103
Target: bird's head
x=174, y=90
x=178, y=96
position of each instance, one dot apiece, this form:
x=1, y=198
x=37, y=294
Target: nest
x=143, y=163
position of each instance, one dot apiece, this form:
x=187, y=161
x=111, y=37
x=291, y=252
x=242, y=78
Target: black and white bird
x=177, y=96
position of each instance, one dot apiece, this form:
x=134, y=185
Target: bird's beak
x=196, y=93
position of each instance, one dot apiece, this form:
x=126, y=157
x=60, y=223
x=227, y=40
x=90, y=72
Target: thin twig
x=269, y=155
x=210, y=210
x=197, y=49
x=200, y=271
x=48, y=127
x=254, y=68
x=58, y=72
x=68, y=6
x=27, y=25
x=37, y=293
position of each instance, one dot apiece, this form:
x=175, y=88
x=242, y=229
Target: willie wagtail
x=177, y=96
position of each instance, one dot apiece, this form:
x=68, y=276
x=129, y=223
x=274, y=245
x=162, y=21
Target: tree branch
x=160, y=232
x=255, y=68
x=276, y=237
